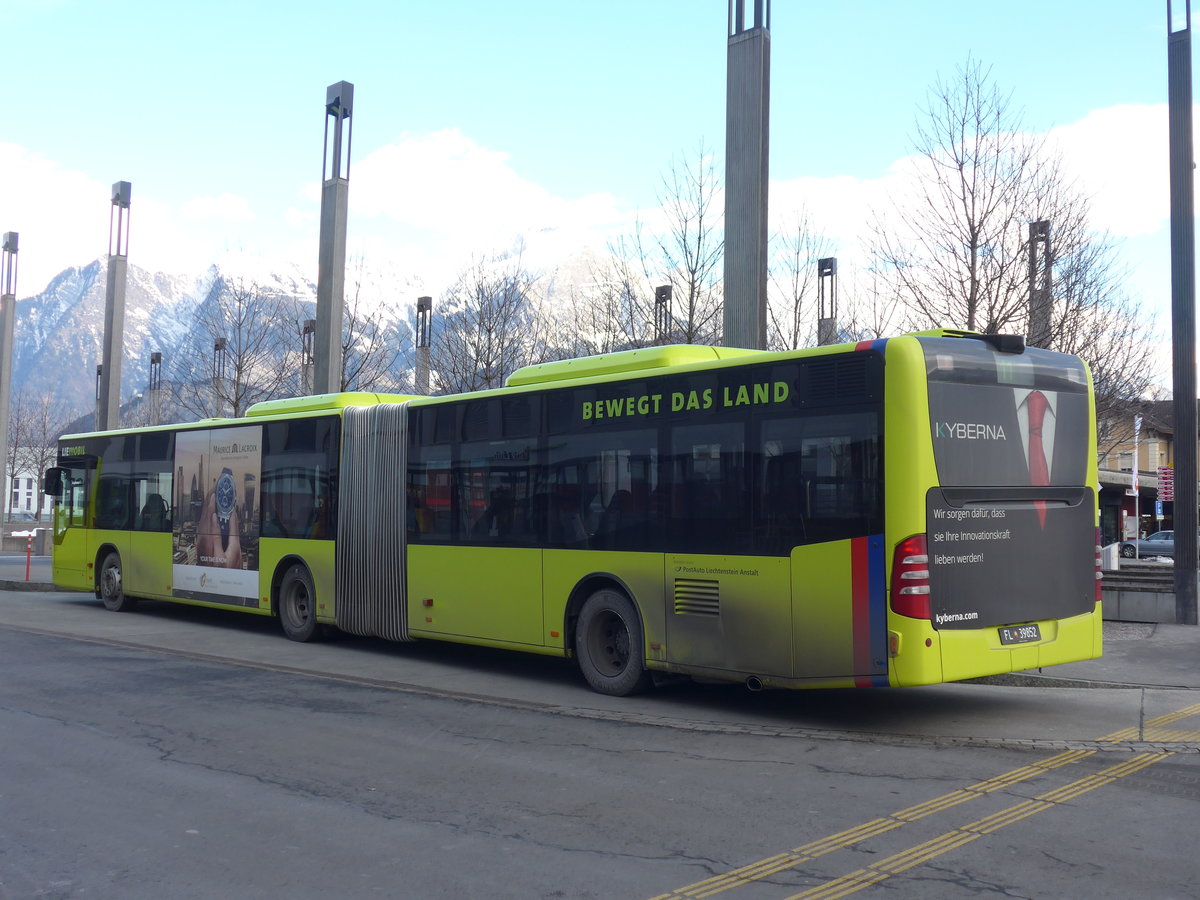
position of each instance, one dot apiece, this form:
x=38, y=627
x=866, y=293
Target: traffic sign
x=1166, y=483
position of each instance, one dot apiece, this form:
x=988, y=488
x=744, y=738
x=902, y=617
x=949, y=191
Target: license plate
x=1020, y=634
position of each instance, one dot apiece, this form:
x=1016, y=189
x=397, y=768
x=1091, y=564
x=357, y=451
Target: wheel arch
x=277, y=577
x=102, y=551
x=584, y=588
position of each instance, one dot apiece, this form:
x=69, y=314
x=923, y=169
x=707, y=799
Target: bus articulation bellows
x=895, y=512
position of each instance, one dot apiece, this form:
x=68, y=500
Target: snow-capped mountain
x=59, y=332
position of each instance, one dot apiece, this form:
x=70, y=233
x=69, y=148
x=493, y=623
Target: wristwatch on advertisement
x=226, y=499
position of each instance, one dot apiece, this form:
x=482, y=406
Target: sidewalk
x=1135, y=655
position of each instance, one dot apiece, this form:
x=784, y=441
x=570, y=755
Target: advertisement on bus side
x=215, y=533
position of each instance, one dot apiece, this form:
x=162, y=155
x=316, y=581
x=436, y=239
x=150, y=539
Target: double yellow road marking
x=1151, y=730
x=840, y=841
x=923, y=853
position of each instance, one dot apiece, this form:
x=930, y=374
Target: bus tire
x=112, y=584
x=609, y=645
x=298, y=604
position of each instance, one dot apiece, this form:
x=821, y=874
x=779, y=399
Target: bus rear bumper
x=979, y=652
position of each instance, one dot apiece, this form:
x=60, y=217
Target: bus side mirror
x=52, y=484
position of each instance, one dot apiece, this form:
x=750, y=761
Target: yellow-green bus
x=896, y=512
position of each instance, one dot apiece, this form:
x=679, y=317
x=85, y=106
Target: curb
x=26, y=586
x=1018, y=679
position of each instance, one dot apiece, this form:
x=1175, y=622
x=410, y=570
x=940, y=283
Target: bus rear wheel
x=112, y=585
x=298, y=604
x=609, y=645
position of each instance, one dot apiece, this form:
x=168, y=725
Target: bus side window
x=495, y=482
x=154, y=515
x=781, y=502
x=566, y=522
x=292, y=503
x=298, y=484
x=819, y=479
x=114, y=488
x=112, y=503
x=710, y=503
x=429, y=500
x=153, y=481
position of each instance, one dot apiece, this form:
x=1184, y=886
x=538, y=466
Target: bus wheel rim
x=111, y=581
x=297, y=605
x=610, y=644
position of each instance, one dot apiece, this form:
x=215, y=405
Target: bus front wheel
x=609, y=645
x=112, y=585
x=298, y=604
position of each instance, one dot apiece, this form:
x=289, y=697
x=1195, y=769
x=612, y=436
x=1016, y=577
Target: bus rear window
x=1006, y=419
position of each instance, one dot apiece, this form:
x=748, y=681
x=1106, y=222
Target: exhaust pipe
x=754, y=683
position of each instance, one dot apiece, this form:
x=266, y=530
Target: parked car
x=1161, y=543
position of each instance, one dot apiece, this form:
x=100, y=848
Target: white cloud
x=445, y=182
x=227, y=207
x=1119, y=156
x=838, y=208
x=428, y=202
x=61, y=216
x=300, y=218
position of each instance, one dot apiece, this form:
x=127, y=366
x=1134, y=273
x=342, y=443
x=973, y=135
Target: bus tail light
x=910, y=578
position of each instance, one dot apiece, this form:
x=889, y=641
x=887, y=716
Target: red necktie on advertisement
x=1039, y=472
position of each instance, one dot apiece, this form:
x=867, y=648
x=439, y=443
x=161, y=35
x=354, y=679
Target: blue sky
x=474, y=120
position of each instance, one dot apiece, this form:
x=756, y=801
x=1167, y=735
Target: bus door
x=485, y=582
x=71, y=485
x=112, y=517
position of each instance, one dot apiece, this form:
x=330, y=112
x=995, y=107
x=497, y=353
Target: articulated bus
x=897, y=512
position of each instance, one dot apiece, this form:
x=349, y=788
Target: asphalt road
x=12, y=567
x=183, y=753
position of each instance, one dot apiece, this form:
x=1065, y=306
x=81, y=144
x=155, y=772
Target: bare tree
x=370, y=348
x=259, y=357
x=490, y=327
x=1114, y=336
x=954, y=248
x=18, y=441
x=792, y=297
x=866, y=307
x=37, y=421
x=688, y=252
x=612, y=310
x=872, y=310
x=680, y=246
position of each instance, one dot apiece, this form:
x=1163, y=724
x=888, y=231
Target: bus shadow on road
x=895, y=711
x=866, y=710
x=872, y=711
